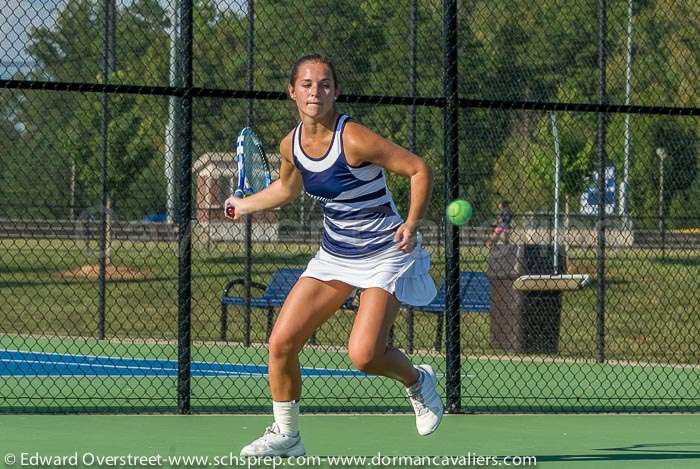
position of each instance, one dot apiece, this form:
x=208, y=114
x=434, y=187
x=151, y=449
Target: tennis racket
x=253, y=166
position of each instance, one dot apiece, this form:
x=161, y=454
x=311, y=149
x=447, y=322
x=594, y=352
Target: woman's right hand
x=239, y=207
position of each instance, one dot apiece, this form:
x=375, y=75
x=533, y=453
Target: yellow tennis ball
x=459, y=212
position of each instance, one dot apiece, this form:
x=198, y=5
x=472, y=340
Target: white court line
x=102, y=365
x=159, y=359
x=206, y=372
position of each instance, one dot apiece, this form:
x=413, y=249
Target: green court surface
x=557, y=441
x=489, y=384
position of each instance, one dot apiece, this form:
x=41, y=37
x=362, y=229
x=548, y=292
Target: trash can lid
x=561, y=282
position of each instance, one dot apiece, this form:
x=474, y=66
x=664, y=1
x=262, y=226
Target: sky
x=17, y=17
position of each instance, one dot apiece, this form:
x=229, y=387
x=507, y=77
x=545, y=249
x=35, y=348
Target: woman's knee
x=282, y=346
x=364, y=358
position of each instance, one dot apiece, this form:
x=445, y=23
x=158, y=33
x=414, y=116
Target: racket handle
x=231, y=211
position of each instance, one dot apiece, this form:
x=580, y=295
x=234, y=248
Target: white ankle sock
x=286, y=416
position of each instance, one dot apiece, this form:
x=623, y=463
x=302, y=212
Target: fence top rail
x=348, y=98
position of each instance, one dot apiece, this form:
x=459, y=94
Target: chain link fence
x=124, y=289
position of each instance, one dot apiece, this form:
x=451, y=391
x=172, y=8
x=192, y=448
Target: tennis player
x=365, y=245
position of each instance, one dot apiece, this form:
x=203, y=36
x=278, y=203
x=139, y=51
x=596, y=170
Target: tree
x=546, y=52
x=665, y=71
x=577, y=156
x=8, y=160
x=63, y=128
x=523, y=52
x=677, y=140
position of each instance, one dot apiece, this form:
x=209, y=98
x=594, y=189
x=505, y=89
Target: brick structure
x=216, y=175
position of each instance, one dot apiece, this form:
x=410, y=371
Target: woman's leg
x=370, y=352
x=309, y=304
x=506, y=235
x=368, y=346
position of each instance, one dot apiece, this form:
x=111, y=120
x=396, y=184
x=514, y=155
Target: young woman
x=502, y=228
x=365, y=244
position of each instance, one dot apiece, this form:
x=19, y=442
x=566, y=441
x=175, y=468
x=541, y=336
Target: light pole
x=624, y=189
x=557, y=177
x=109, y=66
x=171, y=128
x=661, y=153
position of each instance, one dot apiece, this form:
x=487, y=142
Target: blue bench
x=271, y=296
x=475, y=296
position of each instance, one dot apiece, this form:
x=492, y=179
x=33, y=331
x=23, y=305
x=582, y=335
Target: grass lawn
x=651, y=318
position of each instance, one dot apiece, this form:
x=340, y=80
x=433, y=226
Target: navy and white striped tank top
x=360, y=217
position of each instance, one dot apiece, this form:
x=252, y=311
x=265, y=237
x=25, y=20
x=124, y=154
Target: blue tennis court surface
x=19, y=363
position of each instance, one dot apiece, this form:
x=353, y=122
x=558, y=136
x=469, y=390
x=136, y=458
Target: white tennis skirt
x=404, y=275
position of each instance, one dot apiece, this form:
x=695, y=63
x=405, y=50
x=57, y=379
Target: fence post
x=184, y=237
x=602, y=129
x=451, y=145
x=412, y=60
x=248, y=238
x=108, y=66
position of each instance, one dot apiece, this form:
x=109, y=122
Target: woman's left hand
x=405, y=237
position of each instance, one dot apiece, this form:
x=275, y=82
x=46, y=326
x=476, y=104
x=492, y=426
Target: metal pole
x=413, y=63
x=628, y=137
x=248, y=219
x=108, y=65
x=72, y=190
x=171, y=130
x=250, y=49
x=661, y=153
x=602, y=124
x=111, y=36
x=412, y=60
x=451, y=145
x=185, y=219
x=557, y=171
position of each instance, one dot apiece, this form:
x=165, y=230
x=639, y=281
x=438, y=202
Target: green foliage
x=8, y=161
x=63, y=129
x=678, y=140
x=577, y=155
x=130, y=147
x=679, y=143
x=507, y=50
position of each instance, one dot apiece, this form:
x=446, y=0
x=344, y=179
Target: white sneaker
x=274, y=443
x=427, y=402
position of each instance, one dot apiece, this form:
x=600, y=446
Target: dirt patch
x=112, y=272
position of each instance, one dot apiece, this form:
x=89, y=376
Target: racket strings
x=256, y=167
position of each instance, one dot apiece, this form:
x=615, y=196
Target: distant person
x=502, y=228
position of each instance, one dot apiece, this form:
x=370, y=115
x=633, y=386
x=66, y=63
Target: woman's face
x=314, y=91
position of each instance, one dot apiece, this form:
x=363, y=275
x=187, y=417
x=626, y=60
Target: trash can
x=523, y=321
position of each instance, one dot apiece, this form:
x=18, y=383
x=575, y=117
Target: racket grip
x=231, y=211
